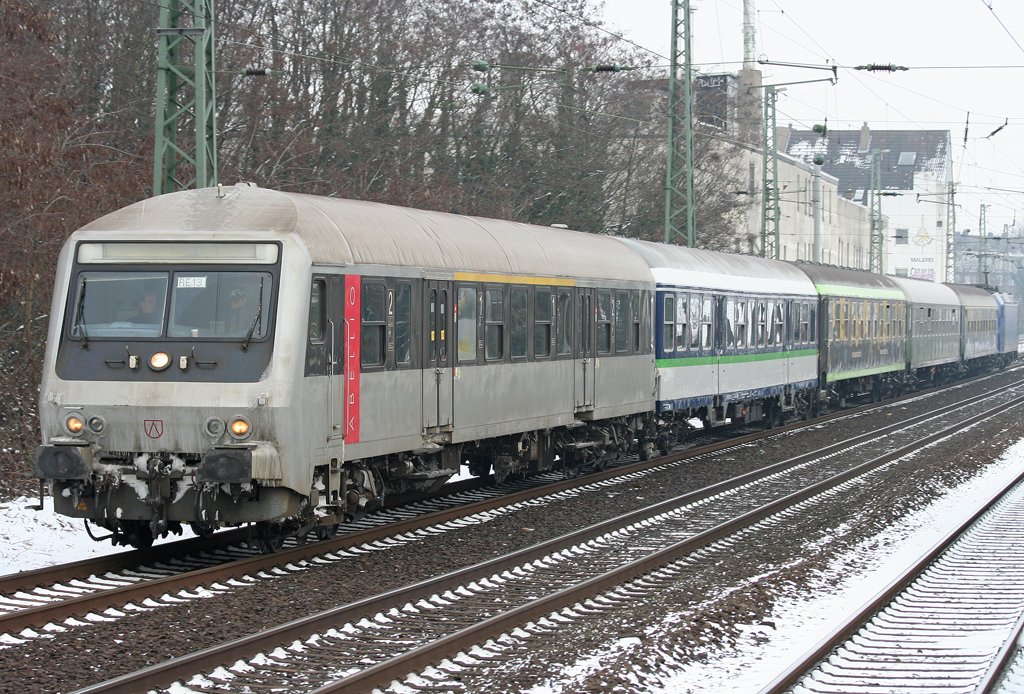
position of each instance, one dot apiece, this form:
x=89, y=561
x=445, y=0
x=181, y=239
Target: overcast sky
x=965, y=56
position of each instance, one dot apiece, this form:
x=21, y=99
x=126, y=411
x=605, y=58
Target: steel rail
x=990, y=680
x=134, y=559
x=50, y=575
x=381, y=674
x=100, y=600
x=166, y=673
x=841, y=633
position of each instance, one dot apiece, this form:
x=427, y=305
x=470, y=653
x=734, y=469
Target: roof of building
x=847, y=154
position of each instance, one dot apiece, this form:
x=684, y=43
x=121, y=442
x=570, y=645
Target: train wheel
x=137, y=534
x=270, y=545
x=572, y=465
x=326, y=532
x=203, y=529
x=269, y=537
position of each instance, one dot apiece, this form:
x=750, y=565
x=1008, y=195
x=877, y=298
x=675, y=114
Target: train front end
x=160, y=387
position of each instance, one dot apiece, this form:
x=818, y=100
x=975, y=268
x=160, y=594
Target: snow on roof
x=903, y=153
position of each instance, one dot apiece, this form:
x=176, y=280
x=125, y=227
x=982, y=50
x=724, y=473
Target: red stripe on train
x=352, y=356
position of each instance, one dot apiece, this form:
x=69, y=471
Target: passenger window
x=604, y=322
x=563, y=322
x=777, y=323
x=403, y=324
x=494, y=329
x=668, y=322
x=635, y=334
x=741, y=324
x=694, y=321
x=542, y=323
x=682, y=323
x=519, y=300
x=705, y=323
x=466, y=323
x=623, y=317
x=373, y=324
x=316, y=311
x=762, y=324
x=730, y=323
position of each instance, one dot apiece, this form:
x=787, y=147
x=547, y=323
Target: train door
x=585, y=377
x=722, y=329
x=790, y=336
x=438, y=376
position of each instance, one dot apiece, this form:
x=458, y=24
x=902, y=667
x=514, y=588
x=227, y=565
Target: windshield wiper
x=79, y=324
x=255, y=321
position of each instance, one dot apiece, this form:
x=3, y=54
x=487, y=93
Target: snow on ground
x=31, y=539
x=802, y=623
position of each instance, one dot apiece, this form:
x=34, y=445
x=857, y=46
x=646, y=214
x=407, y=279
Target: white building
x=845, y=225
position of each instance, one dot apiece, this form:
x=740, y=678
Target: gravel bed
x=716, y=603
x=103, y=650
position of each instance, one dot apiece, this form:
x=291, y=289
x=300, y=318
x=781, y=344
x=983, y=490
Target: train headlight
x=96, y=424
x=240, y=428
x=74, y=424
x=160, y=361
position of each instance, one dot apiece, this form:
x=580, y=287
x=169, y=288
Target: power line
x=1005, y=28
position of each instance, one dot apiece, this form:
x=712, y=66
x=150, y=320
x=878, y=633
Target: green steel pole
x=679, y=148
x=185, y=95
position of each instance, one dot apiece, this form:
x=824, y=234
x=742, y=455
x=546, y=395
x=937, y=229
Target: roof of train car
x=349, y=232
x=839, y=281
x=925, y=292
x=973, y=296
x=689, y=267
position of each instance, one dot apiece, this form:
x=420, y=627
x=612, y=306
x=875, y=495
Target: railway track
x=593, y=569
x=50, y=596
x=36, y=588
x=951, y=621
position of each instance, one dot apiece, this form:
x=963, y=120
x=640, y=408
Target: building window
x=902, y=237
